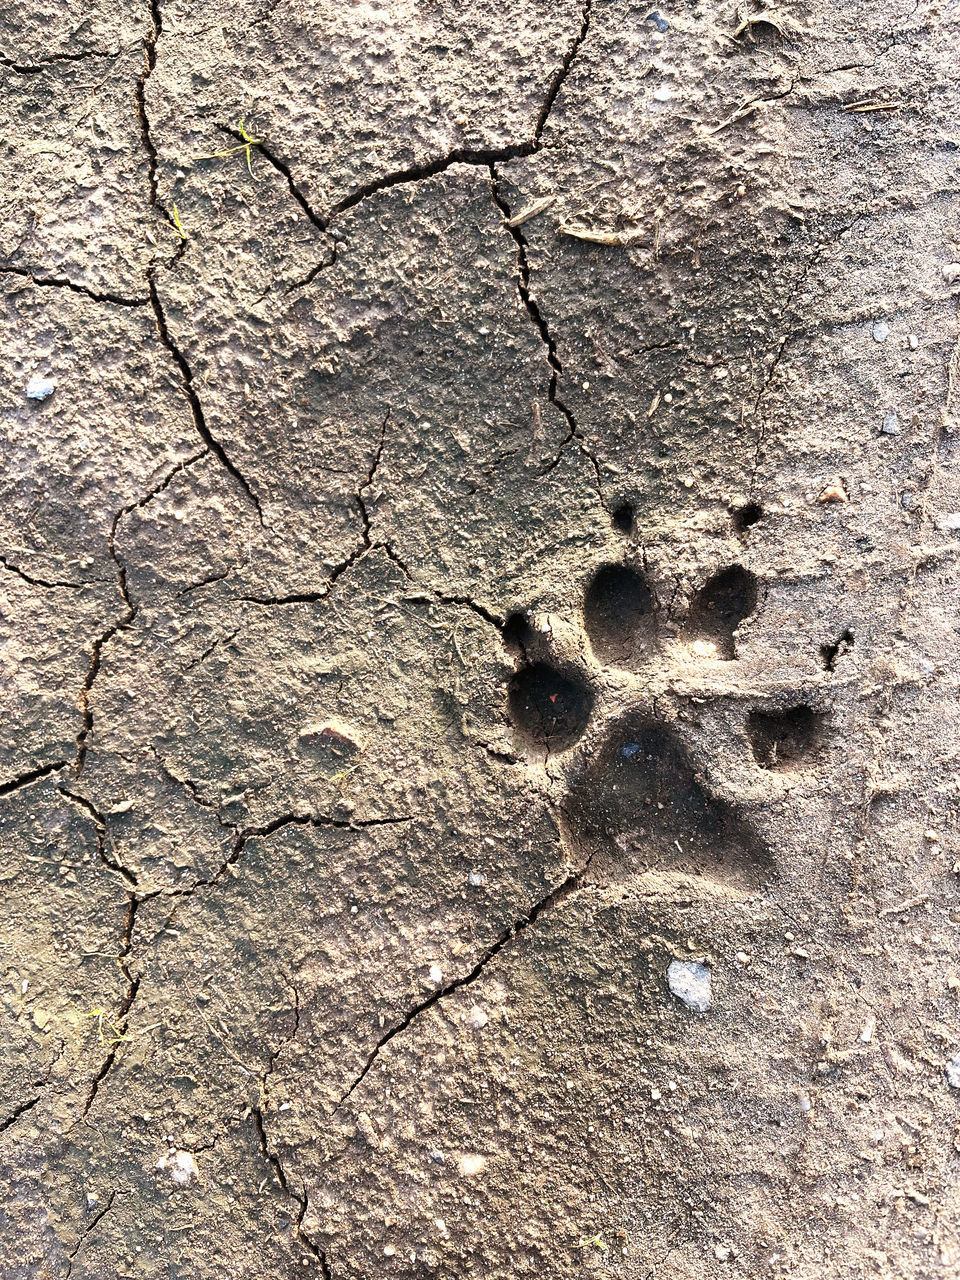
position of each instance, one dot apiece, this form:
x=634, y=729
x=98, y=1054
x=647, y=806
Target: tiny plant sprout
x=246, y=146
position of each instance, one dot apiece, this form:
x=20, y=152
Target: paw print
x=596, y=695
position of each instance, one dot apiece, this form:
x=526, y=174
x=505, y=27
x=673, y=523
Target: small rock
x=833, y=493
x=952, y=1070
x=476, y=1018
x=869, y=1027
x=656, y=19
x=881, y=331
x=723, y=1253
x=438, y=1157
x=908, y=500
x=469, y=1165
x=891, y=424
x=181, y=1166
x=389, y=1250
x=40, y=388
x=948, y=523
x=914, y=341
x=690, y=982
x=951, y=272
x=629, y=750
x=476, y=878
x=334, y=733
x=664, y=94
x=704, y=648
x=436, y=974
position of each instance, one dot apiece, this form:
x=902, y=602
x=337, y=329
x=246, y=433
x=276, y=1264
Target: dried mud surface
x=494, y=534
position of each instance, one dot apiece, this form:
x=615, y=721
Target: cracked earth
x=491, y=536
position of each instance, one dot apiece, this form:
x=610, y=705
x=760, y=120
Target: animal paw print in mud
x=634, y=797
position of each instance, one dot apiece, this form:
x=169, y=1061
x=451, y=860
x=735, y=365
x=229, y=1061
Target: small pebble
x=951, y=272
x=914, y=341
x=952, y=1070
x=629, y=750
x=436, y=974
x=869, y=1027
x=476, y=1018
x=181, y=1166
x=40, y=388
x=438, y=1157
x=891, y=424
x=690, y=982
x=476, y=879
x=948, y=523
x=833, y=493
x=742, y=958
x=471, y=1164
x=663, y=94
x=656, y=19
x=881, y=331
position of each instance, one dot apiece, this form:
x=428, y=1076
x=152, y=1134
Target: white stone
x=690, y=982
x=476, y=1018
x=952, y=1069
x=891, y=423
x=471, y=1164
x=40, y=388
x=881, y=331
x=436, y=974
x=951, y=272
x=181, y=1166
x=949, y=522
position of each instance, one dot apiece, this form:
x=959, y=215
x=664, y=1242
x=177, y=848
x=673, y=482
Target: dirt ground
x=480, y=744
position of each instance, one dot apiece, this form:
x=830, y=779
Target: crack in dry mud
x=88, y=1227
x=17, y=1112
x=43, y=582
x=24, y=780
x=35, y=68
x=485, y=157
x=819, y=250
x=62, y=282
x=189, y=390
x=569, y=885
x=300, y=1198
x=547, y=337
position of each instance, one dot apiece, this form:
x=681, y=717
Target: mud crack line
x=189, y=390
x=61, y=282
x=298, y=1197
x=120, y=1024
x=547, y=337
x=480, y=156
x=17, y=1112
x=126, y=1004
x=563, y=890
x=24, y=780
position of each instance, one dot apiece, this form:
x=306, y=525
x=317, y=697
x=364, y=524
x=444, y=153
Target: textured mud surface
x=493, y=535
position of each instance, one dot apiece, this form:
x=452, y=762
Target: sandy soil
x=478, y=640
